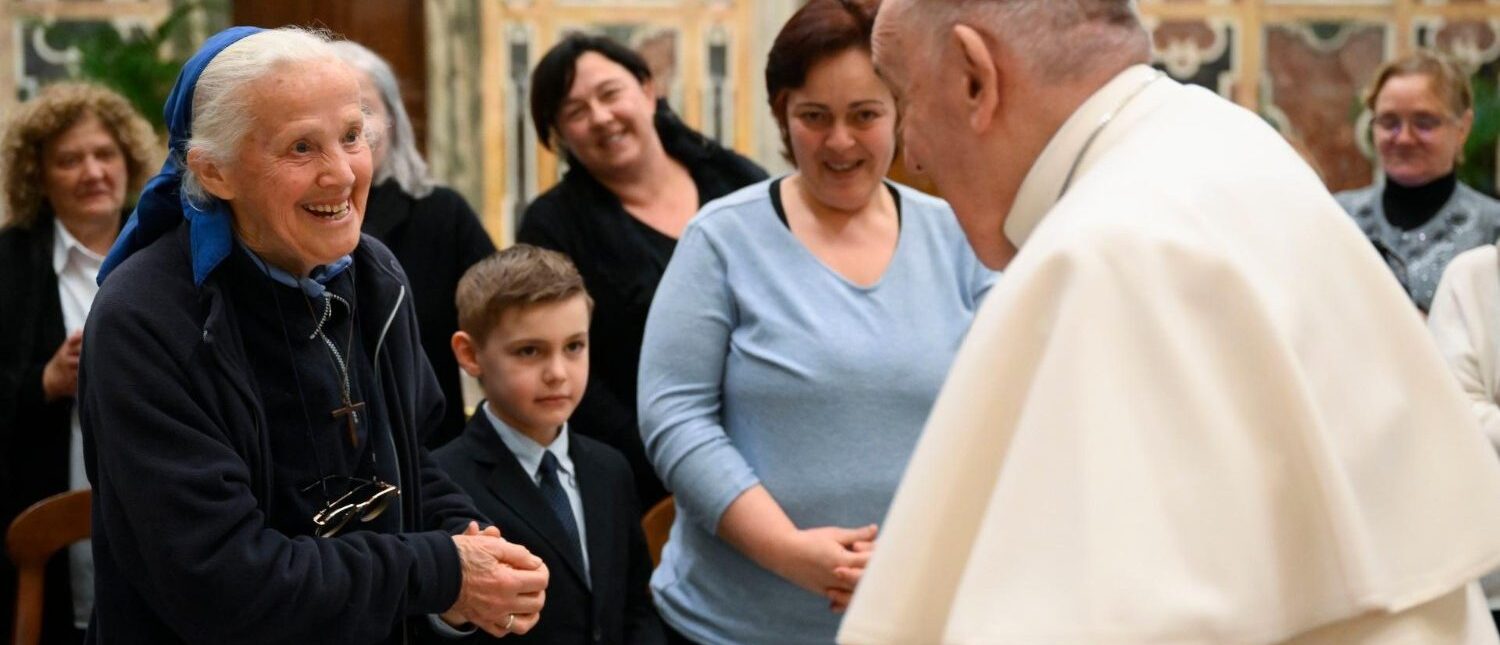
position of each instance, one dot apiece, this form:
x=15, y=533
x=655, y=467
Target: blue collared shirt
x=312, y=285
x=529, y=453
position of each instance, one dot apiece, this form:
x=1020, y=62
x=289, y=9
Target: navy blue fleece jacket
x=177, y=447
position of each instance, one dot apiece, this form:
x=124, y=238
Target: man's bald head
x=1060, y=39
x=984, y=84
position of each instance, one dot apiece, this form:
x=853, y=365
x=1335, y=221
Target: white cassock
x=1196, y=408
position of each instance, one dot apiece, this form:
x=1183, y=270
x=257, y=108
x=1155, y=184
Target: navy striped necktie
x=557, y=498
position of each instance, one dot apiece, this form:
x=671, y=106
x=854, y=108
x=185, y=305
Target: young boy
x=523, y=316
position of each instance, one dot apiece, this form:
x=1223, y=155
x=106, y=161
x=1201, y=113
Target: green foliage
x=1478, y=169
x=137, y=66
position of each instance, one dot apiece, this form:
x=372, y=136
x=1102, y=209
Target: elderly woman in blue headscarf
x=253, y=390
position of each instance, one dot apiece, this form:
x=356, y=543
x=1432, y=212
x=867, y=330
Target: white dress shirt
x=529, y=453
x=77, y=270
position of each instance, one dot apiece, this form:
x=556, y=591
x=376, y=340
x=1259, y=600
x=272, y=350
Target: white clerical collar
x=63, y=243
x=1044, y=182
x=526, y=449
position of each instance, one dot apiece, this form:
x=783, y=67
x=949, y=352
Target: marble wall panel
x=455, y=110
x=1146, y=4
x=1201, y=52
x=1314, y=74
x=1474, y=44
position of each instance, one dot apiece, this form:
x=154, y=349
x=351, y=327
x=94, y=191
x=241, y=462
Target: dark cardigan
x=34, y=434
x=622, y=260
x=178, y=452
x=436, y=238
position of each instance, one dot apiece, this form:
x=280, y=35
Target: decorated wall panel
x=1303, y=64
x=43, y=41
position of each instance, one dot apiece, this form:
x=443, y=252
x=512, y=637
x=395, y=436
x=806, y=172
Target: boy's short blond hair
x=519, y=276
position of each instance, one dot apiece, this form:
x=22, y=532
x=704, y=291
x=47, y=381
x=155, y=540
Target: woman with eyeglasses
x=1418, y=214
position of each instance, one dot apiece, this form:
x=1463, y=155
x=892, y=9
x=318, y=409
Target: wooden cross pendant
x=348, y=413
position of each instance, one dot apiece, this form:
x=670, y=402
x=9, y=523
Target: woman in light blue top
x=794, y=348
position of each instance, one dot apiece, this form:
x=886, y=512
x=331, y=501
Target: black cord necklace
x=340, y=362
x=350, y=408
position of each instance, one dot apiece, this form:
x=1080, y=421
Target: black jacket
x=436, y=238
x=622, y=260
x=177, y=451
x=34, y=434
x=617, y=608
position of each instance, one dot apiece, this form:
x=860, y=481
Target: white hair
x=221, y=101
x=1059, y=39
x=402, y=162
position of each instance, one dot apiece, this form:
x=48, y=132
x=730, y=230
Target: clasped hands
x=504, y=585
x=827, y=560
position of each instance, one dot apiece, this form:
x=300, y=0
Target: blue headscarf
x=162, y=205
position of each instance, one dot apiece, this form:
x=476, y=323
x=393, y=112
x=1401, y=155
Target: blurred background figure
x=1418, y=215
x=636, y=174
x=74, y=159
x=431, y=229
x=1465, y=322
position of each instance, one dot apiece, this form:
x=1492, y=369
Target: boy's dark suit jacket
x=618, y=607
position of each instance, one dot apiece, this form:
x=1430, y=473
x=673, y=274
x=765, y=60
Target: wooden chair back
x=657, y=525
x=36, y=534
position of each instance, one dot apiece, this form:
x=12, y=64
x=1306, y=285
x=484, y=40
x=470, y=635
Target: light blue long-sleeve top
x=762, y=365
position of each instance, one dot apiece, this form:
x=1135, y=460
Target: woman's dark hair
x=820, y=29
x=553, y=76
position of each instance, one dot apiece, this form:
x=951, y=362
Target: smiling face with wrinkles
x=299, y=179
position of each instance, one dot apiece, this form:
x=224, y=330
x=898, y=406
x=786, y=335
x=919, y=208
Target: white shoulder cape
x=1196, y=408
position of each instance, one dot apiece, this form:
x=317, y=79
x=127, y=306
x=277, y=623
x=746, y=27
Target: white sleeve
x=1463, y=324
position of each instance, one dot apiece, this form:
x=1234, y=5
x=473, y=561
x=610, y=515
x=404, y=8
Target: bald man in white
x=1196, y=408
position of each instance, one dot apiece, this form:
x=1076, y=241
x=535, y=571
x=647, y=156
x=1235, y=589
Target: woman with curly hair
x=72, y=158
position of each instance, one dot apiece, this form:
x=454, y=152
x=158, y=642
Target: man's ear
x=981, y=91
x=210, y=175
x=467, y=353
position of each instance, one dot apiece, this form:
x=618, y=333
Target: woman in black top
x=73, y=157
x=431, y=229
x=636, y=175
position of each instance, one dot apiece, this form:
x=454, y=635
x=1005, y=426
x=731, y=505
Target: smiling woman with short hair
x=796, y=344
x=636, y=174
x=1418, y=215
